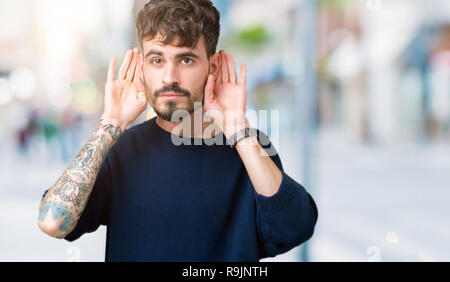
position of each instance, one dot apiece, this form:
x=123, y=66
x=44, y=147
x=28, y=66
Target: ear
x=215, y=65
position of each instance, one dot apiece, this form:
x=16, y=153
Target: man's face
x=169, y=70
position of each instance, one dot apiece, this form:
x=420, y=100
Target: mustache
x=172, y=88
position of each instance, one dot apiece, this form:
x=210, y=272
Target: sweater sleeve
x=286, y=219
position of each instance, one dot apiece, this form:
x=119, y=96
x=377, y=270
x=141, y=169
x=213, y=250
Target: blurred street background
x=361, y=88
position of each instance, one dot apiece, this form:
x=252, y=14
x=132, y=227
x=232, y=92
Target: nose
x=170, y=75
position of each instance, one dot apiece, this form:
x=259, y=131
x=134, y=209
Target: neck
x=195, y=118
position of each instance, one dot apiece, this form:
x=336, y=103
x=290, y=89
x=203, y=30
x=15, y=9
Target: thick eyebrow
x=183, y=54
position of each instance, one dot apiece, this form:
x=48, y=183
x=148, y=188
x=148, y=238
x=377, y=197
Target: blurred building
x=377, y=66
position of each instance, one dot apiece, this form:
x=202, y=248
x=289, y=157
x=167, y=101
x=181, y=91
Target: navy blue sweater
x=163, y=202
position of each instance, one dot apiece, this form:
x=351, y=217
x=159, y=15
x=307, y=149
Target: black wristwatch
x=241, y=134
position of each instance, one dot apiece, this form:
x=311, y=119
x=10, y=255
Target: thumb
x=209, y=94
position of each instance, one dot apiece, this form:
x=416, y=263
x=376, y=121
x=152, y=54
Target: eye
x=187, y=61
x=156, y=61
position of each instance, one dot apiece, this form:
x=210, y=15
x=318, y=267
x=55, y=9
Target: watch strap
x=241, y=134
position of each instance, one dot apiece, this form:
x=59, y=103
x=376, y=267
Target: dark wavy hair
x=187, y=19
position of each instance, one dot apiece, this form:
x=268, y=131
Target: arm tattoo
x=68, y=197
x=58, y=212
x=114, y=131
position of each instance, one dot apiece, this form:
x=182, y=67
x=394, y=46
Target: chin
x=169, y=110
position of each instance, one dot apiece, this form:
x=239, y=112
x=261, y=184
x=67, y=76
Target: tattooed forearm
x=67, y=198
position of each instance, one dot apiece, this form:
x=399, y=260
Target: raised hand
x=125, y=97
x=225, y=97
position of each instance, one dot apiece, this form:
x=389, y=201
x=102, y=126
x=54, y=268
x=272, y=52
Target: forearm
x=263, y=172
x=65, y=201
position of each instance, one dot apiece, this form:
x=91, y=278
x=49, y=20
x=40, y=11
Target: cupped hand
x=125, y=97
x=225, y=97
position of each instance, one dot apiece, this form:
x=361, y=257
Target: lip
x=171, y=95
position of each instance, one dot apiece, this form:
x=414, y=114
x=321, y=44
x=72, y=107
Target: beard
x=168, y=109
x=183, y=106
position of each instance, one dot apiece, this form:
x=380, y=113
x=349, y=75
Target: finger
x=219, y=75
x=138, y=66
x=218, y=78
x=209, y=95
x=111, y=69
x=132, y=68
x=231, y=69
x=138, y=81
x=225, y=77
x=243, y=75
x=125, y=64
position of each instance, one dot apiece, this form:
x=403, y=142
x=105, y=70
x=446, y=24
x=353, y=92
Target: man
x=190, y=201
